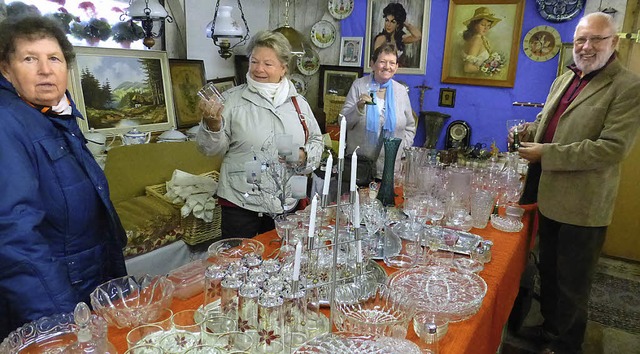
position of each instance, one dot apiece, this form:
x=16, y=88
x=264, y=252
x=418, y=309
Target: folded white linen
x=196, y=192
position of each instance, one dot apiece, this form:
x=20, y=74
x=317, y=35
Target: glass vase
x=386, y=194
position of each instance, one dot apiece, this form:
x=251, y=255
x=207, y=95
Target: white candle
x=354, y=169
x=359, y=251
x=356, y=211
x=327, y=175
x=296, y=262
x=343, y=135
x=312, y=217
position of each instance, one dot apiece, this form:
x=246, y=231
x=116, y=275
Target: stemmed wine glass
x=373, y=214
x=435, y=213
x=517, y=126
x=373, y=87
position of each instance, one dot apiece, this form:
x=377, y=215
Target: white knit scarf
x=276, y=93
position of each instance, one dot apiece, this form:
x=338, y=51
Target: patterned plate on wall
x=323, y=34
x=299, y=82
x=309, y=63
x=340, y=9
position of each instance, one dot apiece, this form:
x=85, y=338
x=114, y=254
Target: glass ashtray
x=506, y=224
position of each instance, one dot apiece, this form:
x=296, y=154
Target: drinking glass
x=212, y=100
x=145, y=334
x=185, y=320
x=145, y=349
x=373, y=87
x=482, y=202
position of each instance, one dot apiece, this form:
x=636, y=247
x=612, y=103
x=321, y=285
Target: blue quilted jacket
x=60, y=236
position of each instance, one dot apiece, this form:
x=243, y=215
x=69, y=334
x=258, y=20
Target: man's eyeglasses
x=594, y=40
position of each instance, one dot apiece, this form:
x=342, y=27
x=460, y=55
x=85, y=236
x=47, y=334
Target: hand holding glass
x=211, y=103
x=373, y=87
x=515, y=128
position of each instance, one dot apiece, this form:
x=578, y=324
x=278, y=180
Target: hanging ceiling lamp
x=151, y=15
x=295, y=38
x=224, y=29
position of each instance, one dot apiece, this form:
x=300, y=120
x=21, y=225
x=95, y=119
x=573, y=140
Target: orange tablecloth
x=479, y=334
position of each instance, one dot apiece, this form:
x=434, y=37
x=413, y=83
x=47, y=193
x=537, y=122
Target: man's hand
x=531, y=151
x=524, y=134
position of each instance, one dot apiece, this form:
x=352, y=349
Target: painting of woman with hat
x=477, y=48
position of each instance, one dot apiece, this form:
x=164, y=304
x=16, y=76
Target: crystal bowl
x=51, y=334
x=506, y=224
x=126, y=302
x=381, y=312
x=233, y=249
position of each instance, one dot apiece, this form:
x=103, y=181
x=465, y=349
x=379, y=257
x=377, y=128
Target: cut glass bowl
x=126, y=302
x=456, y=294
x=380, y=311
x=233, y=249
x=506, y=224
x=348, y=343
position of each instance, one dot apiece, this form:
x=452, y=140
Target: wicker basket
x=332, y=107
x=194, y=230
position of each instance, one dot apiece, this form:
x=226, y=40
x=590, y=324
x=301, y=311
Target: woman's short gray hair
x=274, y=40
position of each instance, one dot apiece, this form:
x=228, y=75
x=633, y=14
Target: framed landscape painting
x=117, y=90
x=187, y=77
x=336, y=80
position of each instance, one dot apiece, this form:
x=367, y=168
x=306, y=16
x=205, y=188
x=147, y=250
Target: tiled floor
x=599, y=339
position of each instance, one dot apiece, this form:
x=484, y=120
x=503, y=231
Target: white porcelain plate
x=323, y=34
x=340, y=9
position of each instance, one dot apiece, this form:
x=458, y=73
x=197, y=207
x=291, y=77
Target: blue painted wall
x=485, y=108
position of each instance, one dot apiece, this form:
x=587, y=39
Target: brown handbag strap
x=302, y=121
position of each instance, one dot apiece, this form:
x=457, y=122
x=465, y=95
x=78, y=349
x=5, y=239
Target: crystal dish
x=380, y=311
x=233, y=249
x=50, y=335
x=348, y=343
x=506, y=224
x=454, y=293
x=465, y=244
x=127, y=302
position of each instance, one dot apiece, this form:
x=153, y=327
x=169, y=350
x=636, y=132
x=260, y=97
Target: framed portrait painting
x=223, y=83
x=119, y=89
x=187, y=77
x=409, y=36
x=351, y=51
x=482, y=42
x=336, y=80
x=565, y=58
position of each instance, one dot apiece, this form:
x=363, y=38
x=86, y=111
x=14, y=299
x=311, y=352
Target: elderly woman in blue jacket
x=60, y=236
x=247, y=129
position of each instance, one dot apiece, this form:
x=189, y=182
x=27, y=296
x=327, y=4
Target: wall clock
x=542, y=43
x=458, y=135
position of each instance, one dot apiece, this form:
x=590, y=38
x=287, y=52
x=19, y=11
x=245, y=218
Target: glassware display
x=450, y=292
x=460, y=242
x=128, y=302
x=349, y=343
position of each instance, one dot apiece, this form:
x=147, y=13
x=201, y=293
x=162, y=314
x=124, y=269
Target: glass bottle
x=91, y=336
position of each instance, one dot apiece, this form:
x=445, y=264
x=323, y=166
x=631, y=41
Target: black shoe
x=536, y=334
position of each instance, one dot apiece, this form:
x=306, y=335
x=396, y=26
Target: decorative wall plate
x=542, y=43
x=559, y=10
x=309, y=63
x=299, y=82
x=323, y=34
x=340, y=9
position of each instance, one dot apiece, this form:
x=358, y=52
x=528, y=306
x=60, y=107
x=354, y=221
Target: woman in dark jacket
x=60, y=236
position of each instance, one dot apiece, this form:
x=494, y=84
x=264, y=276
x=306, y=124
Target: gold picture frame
x=117, y=90
x=223, y=83
x=495, y=65
x=187, y=77
x=565, y=58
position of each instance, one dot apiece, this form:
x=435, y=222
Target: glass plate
x=323, y=34
x=309, y=63
x=454, y=293
x=348, y=343
x=340, y=9
x=466, y=243
x=374, y=273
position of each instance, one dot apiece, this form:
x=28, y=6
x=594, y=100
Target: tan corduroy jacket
x=581, y=167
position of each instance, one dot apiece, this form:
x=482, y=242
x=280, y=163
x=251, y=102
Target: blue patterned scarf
x=389, y=109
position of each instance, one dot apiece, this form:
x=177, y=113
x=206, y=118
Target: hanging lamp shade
x=295, y=38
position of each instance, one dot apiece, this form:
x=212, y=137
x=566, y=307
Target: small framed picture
x=224, y=83
x=447, y=97
x=187, y=77
x=336, y=80
x=351, y=51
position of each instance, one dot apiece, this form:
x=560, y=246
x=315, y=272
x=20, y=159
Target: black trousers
x=240, y=222
x=568, y=255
